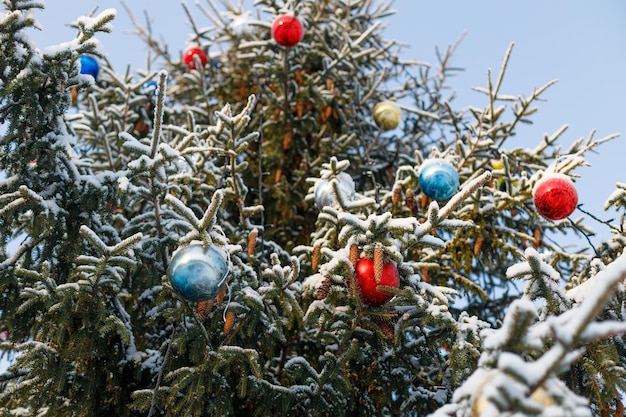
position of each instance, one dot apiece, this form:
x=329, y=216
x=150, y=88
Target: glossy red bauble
x=188, y=57
x=555, y=196
x=366, y=281
x=287, y=30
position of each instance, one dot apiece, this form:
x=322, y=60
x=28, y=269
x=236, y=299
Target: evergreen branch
x=570, y=333
x=158, y=113
x=437, y=215
x=12, y=206
x=125, y=244
x=210, y=215
x=93, y=238
x=183, y=210
x=584, y=234
x=293, y=273
x=153, y=401
x=146, y=35
x=505, y=62
x=89, y=26
x=7, y=376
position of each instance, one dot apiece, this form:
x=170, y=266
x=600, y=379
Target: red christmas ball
x=366, y=281
x=287, y=30
x=188, y=57
x=555, y=196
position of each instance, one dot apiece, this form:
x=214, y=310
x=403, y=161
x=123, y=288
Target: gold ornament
x=496, y=164
x=387, y=115
x=540, y=395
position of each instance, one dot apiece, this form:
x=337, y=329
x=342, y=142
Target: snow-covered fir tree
x=369, y=249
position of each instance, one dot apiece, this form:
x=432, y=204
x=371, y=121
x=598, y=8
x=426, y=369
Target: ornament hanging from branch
x=197, y=273
x=387, y=115
x=89, y=66
x=190, y=53
x=368, y=284
x=325, y=194
x=287, y=30
x=438, y=179
x=555, y=196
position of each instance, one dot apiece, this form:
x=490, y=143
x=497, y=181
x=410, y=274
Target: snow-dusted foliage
x=273, y=155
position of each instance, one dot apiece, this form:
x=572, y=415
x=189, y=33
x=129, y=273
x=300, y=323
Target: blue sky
x=581, y=43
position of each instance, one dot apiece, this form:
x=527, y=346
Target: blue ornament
x=89, y=66
x=150, y=87
x=198, y=273
x=438, y=179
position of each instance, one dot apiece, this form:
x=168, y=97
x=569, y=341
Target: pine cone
x=386, y=327
x=409, y=200
x=315, y=258
x=219, y=298
x=254, y=233
x=478, y=244
x=397, y=195
x=204, y=308
x=229, y=322
x=378, y=263
x=354, y=254
x=324, y=288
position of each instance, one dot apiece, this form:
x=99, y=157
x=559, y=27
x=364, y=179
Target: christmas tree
x=289, y=219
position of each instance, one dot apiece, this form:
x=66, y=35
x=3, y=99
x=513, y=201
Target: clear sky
x=581, y=43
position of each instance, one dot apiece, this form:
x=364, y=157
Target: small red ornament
x=555, y=196
x=287, y=30
x=366, y=281
x=188, y=57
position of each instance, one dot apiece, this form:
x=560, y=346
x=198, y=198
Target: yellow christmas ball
x=497, y=164
x=387, y=115
x=539, y=395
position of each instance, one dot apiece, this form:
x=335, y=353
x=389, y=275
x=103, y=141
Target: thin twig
x=160, y=374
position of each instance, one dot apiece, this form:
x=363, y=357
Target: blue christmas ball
x=150, y=87
x=89, y=66
x=438, y=179
x=198, y=273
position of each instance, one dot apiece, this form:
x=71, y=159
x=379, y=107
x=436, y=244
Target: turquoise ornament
x=89, y=66
x=198, y=273
x=438, y=179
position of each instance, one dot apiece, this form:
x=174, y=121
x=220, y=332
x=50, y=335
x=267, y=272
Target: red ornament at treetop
x=287, y=30
x=366, y=281
x=555, y=196
x=190, y=53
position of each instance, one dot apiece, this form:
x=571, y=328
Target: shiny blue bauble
x=150, y=87
x=198, y=273
x=89, y=66
x=438, y=179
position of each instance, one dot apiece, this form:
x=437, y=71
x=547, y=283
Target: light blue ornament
x=198, y=273
x=89, y=66
x=438, y=179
